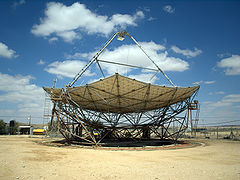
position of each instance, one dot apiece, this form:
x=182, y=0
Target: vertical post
x=191, y=122
x=54, y=82
x=231, y=134
x=217, y=132
x=173, y=126
x=58, y=120
x=29, y=122
x=52, y=116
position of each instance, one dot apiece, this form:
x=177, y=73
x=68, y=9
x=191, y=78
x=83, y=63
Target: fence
x=217, y=132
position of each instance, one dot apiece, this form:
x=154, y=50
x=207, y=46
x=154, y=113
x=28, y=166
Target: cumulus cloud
x=18, y=91
x=131, y=54
x=169, y=9
x=67, y=68
x=18, y=88
x=187, y=52
x=6, y=52
x=231, y=65
x=68, y=21
x=125, y=54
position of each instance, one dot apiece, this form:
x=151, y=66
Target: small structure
x=26, y=130
x=39, y=132
x=194, y=107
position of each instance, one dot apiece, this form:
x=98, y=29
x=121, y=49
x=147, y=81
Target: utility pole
x=54, y=82
x=29, y=120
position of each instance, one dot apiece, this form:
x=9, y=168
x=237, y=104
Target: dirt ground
x=22, y=158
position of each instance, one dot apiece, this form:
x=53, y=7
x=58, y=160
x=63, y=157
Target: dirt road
x=22, y=158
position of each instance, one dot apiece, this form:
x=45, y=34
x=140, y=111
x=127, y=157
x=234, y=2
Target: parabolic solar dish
x=118, y=108
x=119, y=94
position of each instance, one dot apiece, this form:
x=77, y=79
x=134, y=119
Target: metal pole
x=54, y=82
x=91, y=61
x=29, y=120
x=150, y=59
x=129, y=65
x=191, y=122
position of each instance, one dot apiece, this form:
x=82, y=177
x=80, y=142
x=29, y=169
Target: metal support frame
x=96, y=127
x=100, y=127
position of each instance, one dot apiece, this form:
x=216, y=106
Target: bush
x=3, y=129
x=52, y=127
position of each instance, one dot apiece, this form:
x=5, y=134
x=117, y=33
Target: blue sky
x=193, y=42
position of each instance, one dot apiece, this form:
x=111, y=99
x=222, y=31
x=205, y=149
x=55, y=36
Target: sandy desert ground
x=22, y=158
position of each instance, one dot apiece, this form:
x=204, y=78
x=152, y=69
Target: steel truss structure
x=118, y=108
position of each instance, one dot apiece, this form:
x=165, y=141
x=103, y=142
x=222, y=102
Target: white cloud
x=41, y=62
x=131, y=54
x=198, y=82
x=124, y=20
x=209, y=82
x=68, y=36
x=225, y=109
x=169, y=9
x=68, y=21
x=220, y=92
x=226, y=101
x=231, y=65
x=6, y=52
x=232, y=98
x=67, y=68
x=18, y=88
x=204, y=82
x=24, y=97
x=187, y=52
x=125, y=54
